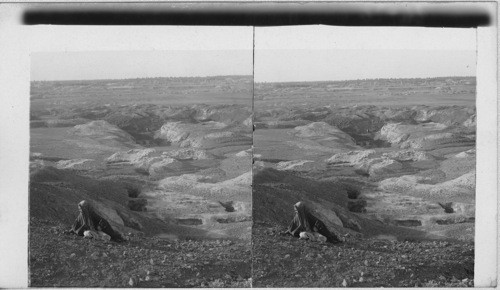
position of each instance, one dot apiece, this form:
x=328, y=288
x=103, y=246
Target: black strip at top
x=253, y=14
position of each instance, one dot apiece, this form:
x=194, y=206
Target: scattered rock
x=132, y=282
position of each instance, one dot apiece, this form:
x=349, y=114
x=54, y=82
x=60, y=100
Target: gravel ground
x=63, y=260
x=285, y=261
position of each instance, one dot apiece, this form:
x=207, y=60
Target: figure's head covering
x=301, y=212
x=299, y=205
x=84, y=204
x=87, y=212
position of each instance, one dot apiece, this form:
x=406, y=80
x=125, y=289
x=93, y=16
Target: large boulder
x=329, y=217
x=108, y=213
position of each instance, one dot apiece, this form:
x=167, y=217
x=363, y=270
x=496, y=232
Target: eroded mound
x=143, y=121
x=207, y=135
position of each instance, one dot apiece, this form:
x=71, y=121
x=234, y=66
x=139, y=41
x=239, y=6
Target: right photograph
x=364, y=159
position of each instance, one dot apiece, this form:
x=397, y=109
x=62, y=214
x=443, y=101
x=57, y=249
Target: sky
x=290, y=53
x=331, y=65
x=322, y=53
x=116, y=52
x=139, y=64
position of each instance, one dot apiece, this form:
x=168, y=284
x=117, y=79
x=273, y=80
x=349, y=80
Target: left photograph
x=140, y=168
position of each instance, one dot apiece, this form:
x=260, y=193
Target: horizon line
x=258, y=82
x=135, y=78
